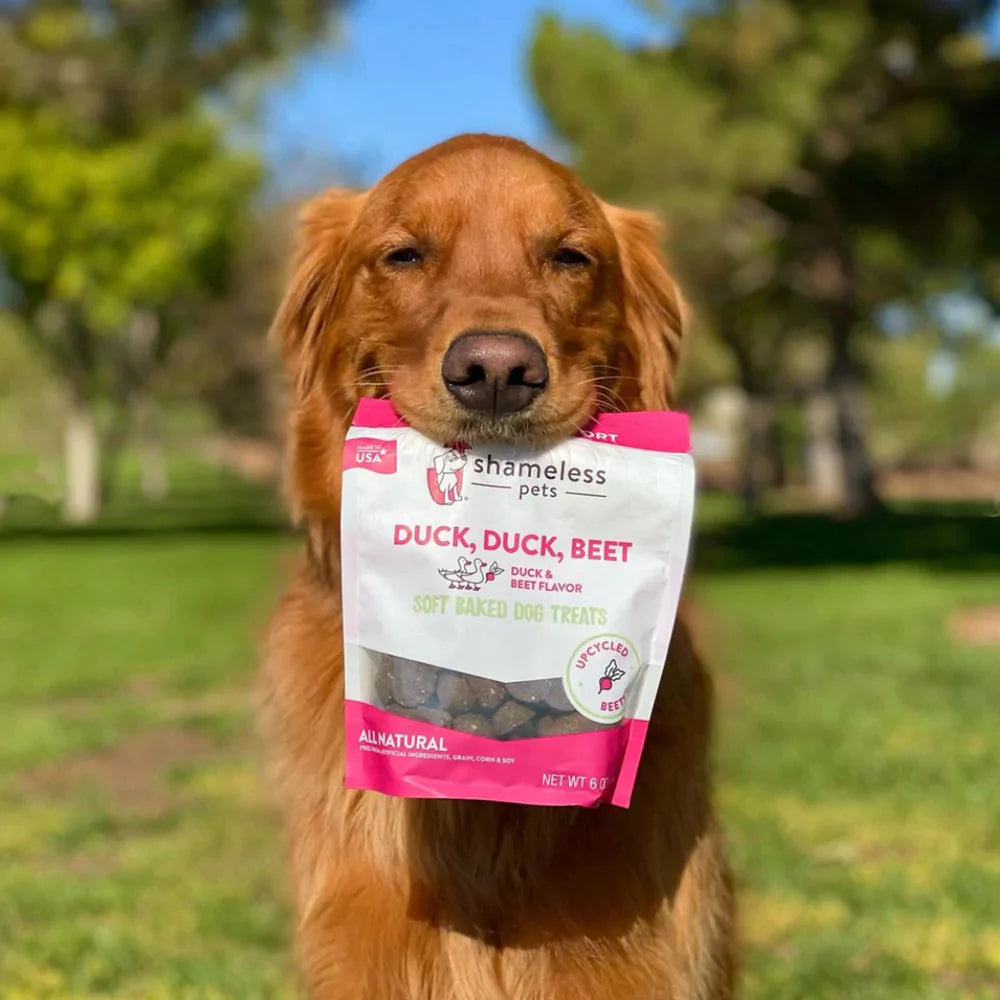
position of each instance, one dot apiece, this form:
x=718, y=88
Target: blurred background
x=829, y=170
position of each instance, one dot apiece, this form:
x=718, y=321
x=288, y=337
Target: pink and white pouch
x=507, y=612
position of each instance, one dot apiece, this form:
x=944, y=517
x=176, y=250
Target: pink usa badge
x=374, y=454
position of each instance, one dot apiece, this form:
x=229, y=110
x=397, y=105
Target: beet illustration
x=612, y=673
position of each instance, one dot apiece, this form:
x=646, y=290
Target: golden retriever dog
x=491, y=297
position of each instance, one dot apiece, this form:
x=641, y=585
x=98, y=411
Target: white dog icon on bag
x=444, y=480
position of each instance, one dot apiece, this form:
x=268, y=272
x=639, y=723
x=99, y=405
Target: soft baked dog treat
x=518, y=710
x=554, y=575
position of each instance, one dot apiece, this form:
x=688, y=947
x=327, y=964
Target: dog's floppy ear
x=653, y=311
x=325, y=223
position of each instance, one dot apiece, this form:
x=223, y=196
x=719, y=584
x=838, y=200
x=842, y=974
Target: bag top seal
x=648, y=430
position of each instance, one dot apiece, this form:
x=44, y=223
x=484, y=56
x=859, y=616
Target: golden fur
x=408, y=899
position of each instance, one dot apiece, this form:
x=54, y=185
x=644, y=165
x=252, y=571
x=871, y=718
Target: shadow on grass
x=945, y=537
x=247, y=510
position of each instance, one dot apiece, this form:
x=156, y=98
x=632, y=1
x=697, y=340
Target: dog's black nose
x=494, y=373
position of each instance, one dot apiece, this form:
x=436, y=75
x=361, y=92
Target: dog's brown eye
x=404, y=255
x=570, y=257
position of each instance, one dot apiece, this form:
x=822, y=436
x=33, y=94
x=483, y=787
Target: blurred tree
x=119, y=67
x=119, y=205
x=28, y=446
x=936, y=401
x=230, y=366
x=795, y=145
x=102, y=247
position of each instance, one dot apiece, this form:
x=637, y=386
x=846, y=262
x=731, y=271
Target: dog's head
x=450, y=461
x=486, y=292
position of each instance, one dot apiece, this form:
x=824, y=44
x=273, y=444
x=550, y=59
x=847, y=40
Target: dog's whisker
x=614, y=375
x=379, y=370
x=612, y=402
x=606, y=397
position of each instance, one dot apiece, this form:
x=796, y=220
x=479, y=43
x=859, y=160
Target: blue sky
x=407, y=75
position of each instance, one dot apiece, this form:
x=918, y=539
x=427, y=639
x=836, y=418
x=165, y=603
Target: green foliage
x=28, y=446
x=106, y=230
x=230, y=365
x=119, y=68
x=923, y=426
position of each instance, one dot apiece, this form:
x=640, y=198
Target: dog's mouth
x=535, y=427
x=532, y=428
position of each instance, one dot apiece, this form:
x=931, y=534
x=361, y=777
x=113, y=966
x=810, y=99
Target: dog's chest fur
x=448, y=900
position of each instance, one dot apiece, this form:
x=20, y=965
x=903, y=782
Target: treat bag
x=507, y=612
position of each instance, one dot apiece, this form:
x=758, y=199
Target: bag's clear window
x=513, y=711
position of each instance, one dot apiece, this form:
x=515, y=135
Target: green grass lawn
x=857, y=757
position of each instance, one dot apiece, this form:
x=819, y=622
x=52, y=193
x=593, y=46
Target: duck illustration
x=469, y=575
x=456, y=574
x=466, y=574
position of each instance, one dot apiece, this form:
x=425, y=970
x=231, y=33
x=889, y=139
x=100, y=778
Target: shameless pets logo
x=449, y=473
x=551, y=472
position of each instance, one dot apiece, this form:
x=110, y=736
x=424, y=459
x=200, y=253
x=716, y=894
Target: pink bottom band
x=397, y=756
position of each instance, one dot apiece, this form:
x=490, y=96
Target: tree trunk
x=82, y=499
x=777, y=470
x=757, y=472
x=824, y=466
x=858, y=493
